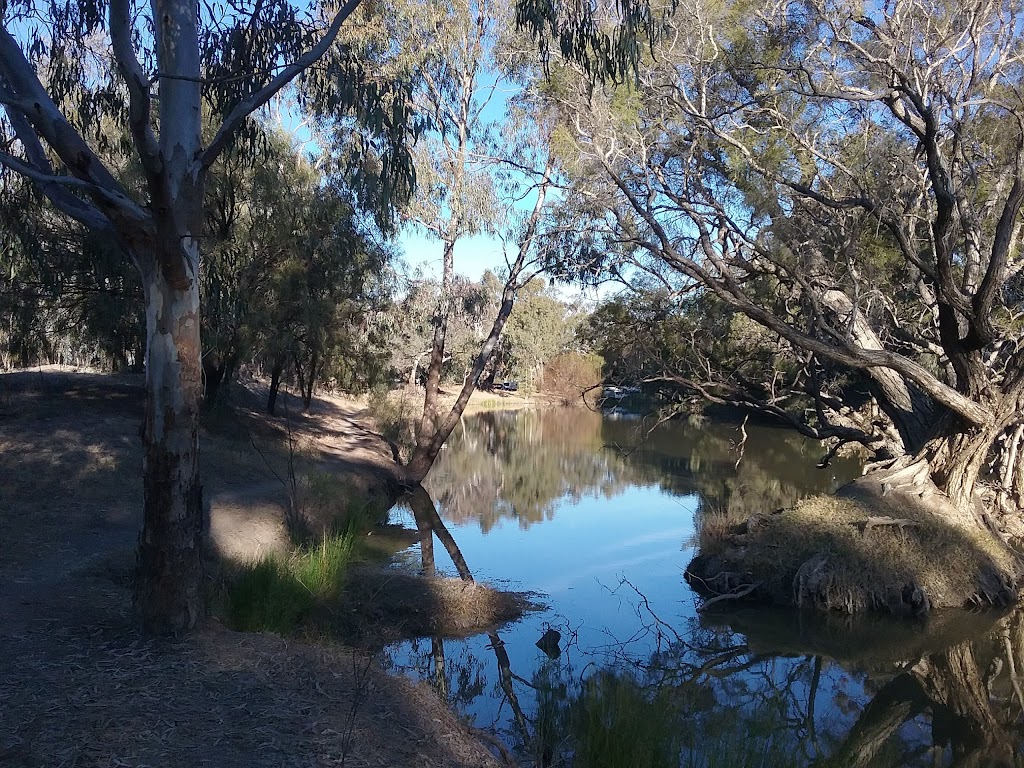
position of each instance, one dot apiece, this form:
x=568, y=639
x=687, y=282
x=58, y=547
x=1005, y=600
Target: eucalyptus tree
x=156, y=70
x=848, y=178
x=457, y=196
x=467, y=76
x=525, y=264
x=412, y=325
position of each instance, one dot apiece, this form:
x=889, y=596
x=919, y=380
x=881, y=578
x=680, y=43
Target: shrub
x=570, y=374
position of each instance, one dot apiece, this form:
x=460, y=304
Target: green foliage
x=698, y=350
x=66, y=295
x=291, y=271
x=86, y=293
x=606, y=52
x=294, y=273
x=453, y=44
x=410, y=320
x=540, y=327
x=616, y=725
x=394, y=415
x=280, y=594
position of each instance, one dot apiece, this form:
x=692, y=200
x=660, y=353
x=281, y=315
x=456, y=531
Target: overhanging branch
x=249, y=105
x=56, y=188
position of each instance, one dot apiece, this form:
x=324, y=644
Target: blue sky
x=473, y=255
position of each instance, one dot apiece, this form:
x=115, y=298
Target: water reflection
x=644, y=679
x=524, y=465
x=714, y=696
x=429, y=525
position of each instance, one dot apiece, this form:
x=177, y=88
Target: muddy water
x=599, y=515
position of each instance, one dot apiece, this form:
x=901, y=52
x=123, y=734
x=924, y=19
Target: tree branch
x=32, y=100
x=56, y=189
x=39, y=163
x=138, y=88
x=249, y=105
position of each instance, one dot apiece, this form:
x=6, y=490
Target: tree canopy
x=849, y=180
x=105, y=109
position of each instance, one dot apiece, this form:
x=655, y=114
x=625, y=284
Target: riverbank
x=79, y=685
x=872, y=546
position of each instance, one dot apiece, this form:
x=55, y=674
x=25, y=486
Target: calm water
x=599, y=515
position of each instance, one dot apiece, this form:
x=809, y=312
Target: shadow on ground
x=79, y=686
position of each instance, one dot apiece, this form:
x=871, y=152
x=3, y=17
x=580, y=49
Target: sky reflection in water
x=600, y=517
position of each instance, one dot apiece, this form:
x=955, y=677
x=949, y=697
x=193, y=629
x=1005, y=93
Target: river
x=598, y=515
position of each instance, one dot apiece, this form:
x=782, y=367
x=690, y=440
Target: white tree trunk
x=168, y=592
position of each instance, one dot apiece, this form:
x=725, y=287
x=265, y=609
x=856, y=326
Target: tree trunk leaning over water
x=429, y=444
x=875, y=238
x=475, y=171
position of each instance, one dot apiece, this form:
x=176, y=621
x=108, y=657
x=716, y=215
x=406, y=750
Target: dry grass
x=382, y=605
x=79, y=687
x=822, y=553
x=69, y=465
x=88, y=698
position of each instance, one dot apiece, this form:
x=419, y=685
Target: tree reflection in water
x=750, y=688
x=757, y=688
x=429, y=524
x=522, y=465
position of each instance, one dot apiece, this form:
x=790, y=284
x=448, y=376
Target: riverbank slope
x=878, y=544
x=79, y=685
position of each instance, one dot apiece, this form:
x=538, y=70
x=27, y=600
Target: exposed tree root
x=738, y=594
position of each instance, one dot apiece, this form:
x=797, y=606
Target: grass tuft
x=321, y=568
x=282, y=595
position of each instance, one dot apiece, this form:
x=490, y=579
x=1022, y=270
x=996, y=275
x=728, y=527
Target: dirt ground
x=79, y=686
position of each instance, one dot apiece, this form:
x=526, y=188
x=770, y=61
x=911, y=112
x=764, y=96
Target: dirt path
x=78, y=685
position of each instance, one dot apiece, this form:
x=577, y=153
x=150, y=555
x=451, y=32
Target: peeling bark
x=168, y=594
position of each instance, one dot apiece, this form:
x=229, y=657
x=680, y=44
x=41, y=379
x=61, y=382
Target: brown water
x=599, y=515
